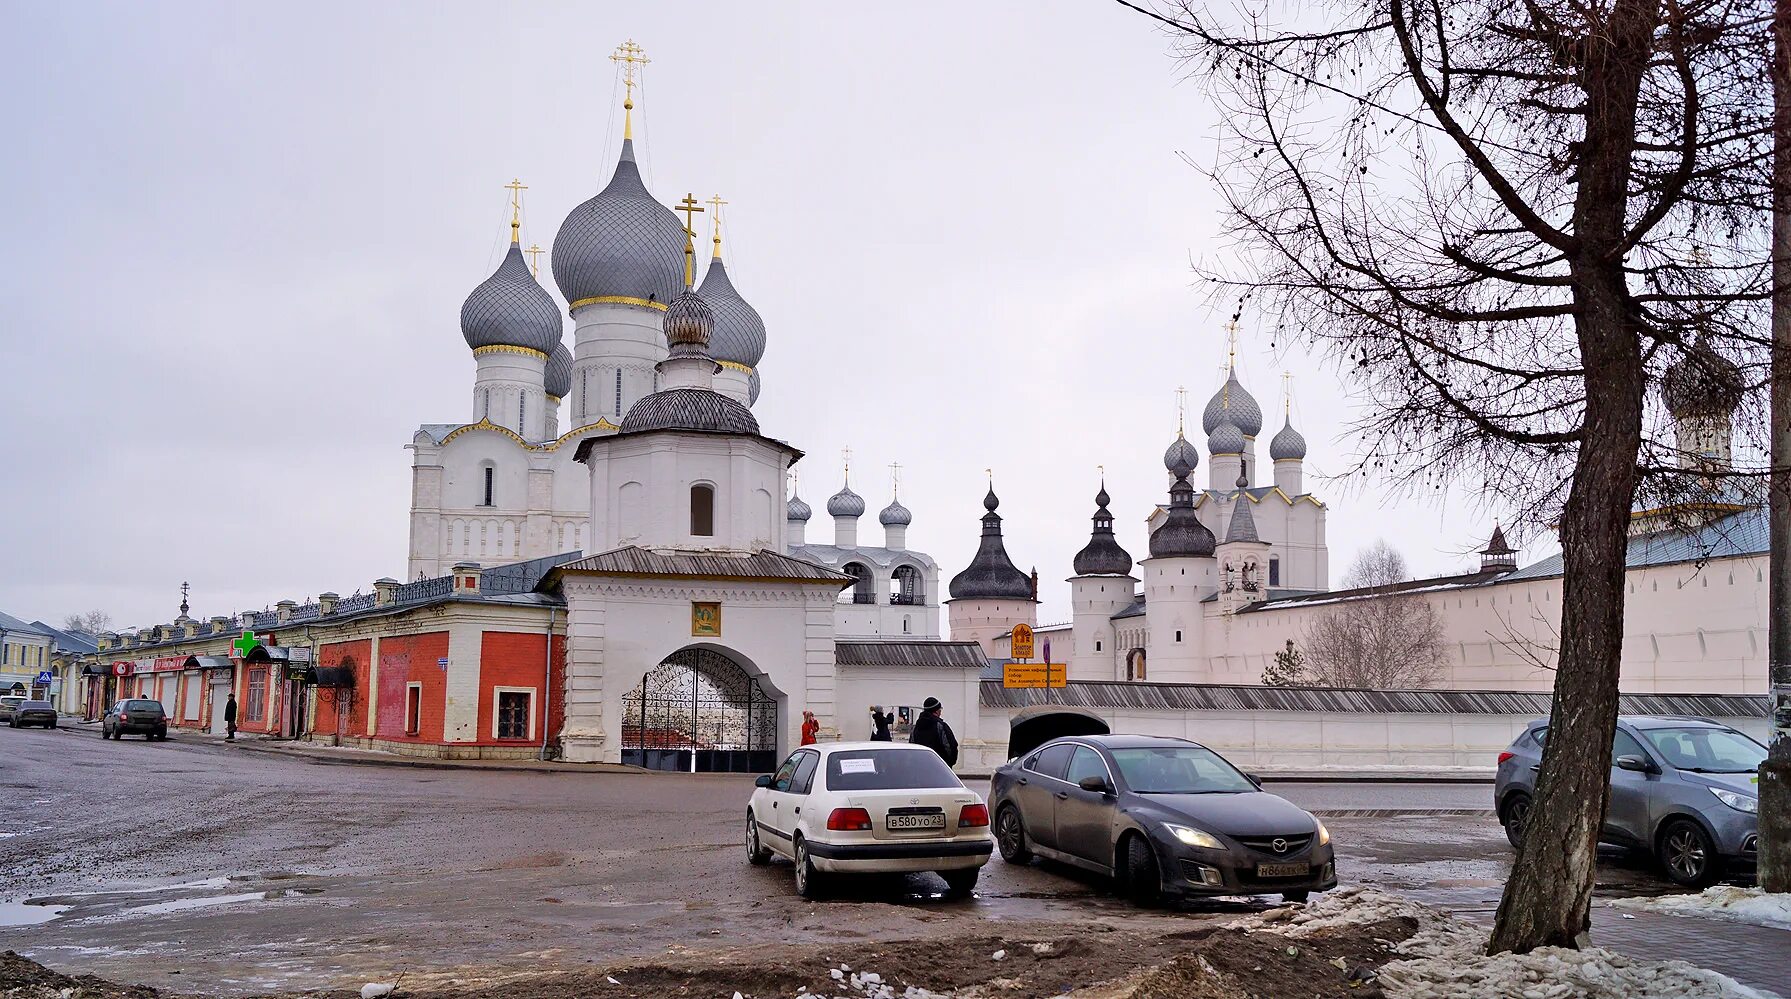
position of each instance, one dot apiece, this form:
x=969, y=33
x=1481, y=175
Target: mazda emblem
x=1279, y=845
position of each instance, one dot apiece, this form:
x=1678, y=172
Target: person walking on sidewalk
x=931, y=731
x=811, y=728
x=230, y=719
x=880, y=723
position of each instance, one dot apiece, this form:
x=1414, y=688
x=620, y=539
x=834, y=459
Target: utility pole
x=1775, y=773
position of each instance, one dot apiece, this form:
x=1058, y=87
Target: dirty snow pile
x=1445, y=959
x=1741, y=905
x=865, y=985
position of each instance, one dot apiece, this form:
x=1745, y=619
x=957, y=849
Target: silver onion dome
x=509, y=309
x=796, y=509
x=845, y=503
x=1702, y=383
x=752, y=388
x=1181, y=452
x=1234, y=402
x=739, y=332
x=688, y=321
x=1287, y=444
x=1226, y=438
x=620, y=244
x=557, y=379
x=895, y=515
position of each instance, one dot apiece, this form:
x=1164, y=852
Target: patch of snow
x=1740, y=905
x=373, y=990
x=1000, y=955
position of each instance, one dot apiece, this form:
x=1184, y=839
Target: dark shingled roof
x=689, y=409
x=632, y=561
x=1103, y=556
x=950, y=655
x=991, y=575
x=1218, y=697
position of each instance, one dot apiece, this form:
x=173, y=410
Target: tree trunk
x=1775, y=773
x=1548, y=898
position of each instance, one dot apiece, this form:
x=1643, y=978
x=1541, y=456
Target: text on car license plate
x=934, y=821
x=1282, y=870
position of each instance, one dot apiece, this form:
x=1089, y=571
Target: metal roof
x=1215, y=697
x=633, y=561
x=927, y=653
x=1737, y=534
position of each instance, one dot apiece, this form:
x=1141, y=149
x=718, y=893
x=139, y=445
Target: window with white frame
x=513, y=714
x=413, y=708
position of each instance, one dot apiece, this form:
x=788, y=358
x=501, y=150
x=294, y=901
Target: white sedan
x=868, y=808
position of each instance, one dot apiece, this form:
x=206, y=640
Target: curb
x=416, y=763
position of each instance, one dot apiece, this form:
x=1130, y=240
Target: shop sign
x=1020, y=646
x=123, y=668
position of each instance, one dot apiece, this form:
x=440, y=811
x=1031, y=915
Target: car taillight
x=1506, y=755
x=973, y=815
x=849, y=820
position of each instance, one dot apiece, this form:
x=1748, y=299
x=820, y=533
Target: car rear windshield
x=35, y=706
x=1706, y=750
x=1178, y=770
x=888, y=770
x=143, y=705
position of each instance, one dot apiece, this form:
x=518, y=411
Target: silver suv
x=1684, y=789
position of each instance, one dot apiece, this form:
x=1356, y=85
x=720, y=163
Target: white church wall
x=640, y=491
x=957, y=690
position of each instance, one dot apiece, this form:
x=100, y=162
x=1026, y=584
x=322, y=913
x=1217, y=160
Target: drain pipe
x=547, y=683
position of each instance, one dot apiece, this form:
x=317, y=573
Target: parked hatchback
x=135, y=716
x=33, y=713
x=8, y=704
x=1681, y=788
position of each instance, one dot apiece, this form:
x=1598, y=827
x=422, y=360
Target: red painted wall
x=518, y=659
x=402, y=660
x=344, y=711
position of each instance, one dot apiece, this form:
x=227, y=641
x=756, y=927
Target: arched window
x=864, y=589
x=702, y=511
x=1274, y=570
x=490, y=486
x=905, y=586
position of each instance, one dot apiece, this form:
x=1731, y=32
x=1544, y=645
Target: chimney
x=283, y=610
x=1035, y=584
x=326, y=603
x=107, y=639
x=385, y=591
x=219, y=624
x=466, y=577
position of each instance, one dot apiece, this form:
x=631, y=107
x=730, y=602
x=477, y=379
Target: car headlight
x=1195, y=837
x=1324, y=835
x=1739, y=802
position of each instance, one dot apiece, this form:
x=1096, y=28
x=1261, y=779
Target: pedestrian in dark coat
x=931, y=731
x=230, y=719
x=880, y=723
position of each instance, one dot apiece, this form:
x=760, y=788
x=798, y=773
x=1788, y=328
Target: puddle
x=27, y=914
x=181, y=904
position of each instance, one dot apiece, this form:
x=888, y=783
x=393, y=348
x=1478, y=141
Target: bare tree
x=1506, y=219
x=92, y=622
x=1380, y=639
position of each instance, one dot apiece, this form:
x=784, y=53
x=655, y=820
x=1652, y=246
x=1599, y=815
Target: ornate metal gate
x=698, y=711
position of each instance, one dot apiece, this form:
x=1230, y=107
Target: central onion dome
x=1103, y=556
x=1231, y=401
x=508, y=309
x=1702, y=383
x=895, y=515
x=739, y=332
x=796, y=509
x=1288, y=444
x=845, y=503
x=620, y=244
x=557, y=379
x=991, y=575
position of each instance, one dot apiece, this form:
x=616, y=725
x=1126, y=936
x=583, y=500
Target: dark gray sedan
x=1163, y=817
x=33, y=713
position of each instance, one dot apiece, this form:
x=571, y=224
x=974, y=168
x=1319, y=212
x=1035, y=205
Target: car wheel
x=1295, y=896
x=755, y=854
x=1687, y=854
x=1010, y=836
x=808, y=880
x=959, y=884
x=1143, y=882
x=1517, y=819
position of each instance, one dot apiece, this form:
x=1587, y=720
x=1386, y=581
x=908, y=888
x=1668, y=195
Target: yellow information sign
x=1020, y=646
x=1034, y=675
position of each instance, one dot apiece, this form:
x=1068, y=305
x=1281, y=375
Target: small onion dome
x=895, y=515
x=1227, y=438
x=620, y=243
x=688, y=320
x=739, y=332
x=689, y=409
x=797, y=510
x=509, y=309
x=991, y=575
x=845, y=503
x=1232, y=401
x=1181, y=452
x=752, y=388
x=1702, y=383
x=557, y=380
x=1103, y=556
x=1288, y=444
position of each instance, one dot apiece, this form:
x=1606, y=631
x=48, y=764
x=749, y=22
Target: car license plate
x=1282, y=870
x=934, y=821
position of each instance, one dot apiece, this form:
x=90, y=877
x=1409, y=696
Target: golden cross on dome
x=689, y=207
x=628, y=55
x=895, y=479
x=516, y=187
x=534, y=252
x=715, y=204
x=1181, y=409
x=846, y=459
x=1287, y=393
x=1231, y=332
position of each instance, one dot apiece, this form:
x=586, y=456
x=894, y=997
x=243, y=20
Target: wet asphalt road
x=199, y=866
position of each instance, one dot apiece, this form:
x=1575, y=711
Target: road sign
x=1034, y=675
x=45, y=676
x=1020, y=646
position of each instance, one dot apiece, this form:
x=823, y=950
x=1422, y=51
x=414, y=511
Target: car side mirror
x=1636, y=764
x=1255, y=780
x=1095, y=783
x=763, y=781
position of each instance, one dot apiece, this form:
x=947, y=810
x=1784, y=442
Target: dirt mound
x=23, y=978
x=1234, y=963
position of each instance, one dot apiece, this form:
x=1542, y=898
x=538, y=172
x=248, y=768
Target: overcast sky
x=239, y=236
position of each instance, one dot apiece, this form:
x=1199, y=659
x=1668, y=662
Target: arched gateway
x=699, y=712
